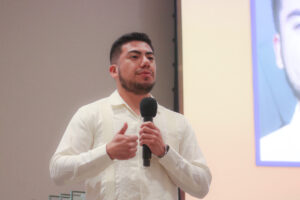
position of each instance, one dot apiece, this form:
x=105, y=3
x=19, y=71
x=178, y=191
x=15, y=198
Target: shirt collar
x=117, y=100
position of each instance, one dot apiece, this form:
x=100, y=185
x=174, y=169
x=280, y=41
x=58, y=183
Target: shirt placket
x=135, y=121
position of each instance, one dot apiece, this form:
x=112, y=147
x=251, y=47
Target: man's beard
x=134, y=87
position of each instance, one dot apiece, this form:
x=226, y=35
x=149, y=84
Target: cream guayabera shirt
x=81, y=155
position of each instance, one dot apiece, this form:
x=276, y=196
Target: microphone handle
x=148, y=119
x=146, y=155
x=146, y=149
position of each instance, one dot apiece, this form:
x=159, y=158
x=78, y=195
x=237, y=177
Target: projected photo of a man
x=283, y=144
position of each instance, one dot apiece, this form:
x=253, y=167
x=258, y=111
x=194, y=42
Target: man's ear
x=277, y=50
x=113, y=70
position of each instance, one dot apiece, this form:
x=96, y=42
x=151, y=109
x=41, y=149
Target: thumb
x=123, y=129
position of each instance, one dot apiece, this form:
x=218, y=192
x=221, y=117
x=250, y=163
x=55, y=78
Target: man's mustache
x=142, y=71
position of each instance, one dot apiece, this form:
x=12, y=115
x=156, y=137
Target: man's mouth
x=144, y=72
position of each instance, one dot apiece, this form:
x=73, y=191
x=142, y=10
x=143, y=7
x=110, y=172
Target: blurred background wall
x=54, y=59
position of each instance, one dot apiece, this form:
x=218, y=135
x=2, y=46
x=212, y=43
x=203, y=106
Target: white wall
x=54, y=59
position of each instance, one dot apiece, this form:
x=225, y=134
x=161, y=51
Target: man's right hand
x=122, y=147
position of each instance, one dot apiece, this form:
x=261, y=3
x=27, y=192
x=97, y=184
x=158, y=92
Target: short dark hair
x=276, y=6
x=116, y=47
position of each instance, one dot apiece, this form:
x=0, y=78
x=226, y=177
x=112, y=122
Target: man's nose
x=145, y=62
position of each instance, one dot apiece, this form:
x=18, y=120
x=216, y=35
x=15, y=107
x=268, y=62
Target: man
x=284, y=144
x=103, y=142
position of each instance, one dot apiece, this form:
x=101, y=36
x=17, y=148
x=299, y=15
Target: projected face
x=287, y=42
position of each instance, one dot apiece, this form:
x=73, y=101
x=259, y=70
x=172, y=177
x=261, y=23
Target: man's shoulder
x=176, y=119
x=93, y=109
x=170, y=112
x=94, y=105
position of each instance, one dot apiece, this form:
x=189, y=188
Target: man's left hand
x=150, y=135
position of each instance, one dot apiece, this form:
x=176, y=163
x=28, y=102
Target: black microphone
x=148, y=108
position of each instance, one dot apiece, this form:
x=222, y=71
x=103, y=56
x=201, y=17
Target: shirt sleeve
x=75, y=158
x=187, y=168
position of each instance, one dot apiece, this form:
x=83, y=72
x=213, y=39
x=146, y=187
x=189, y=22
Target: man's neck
x=132, y=100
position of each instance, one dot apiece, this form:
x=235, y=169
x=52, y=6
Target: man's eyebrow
x=149, y=53
x=138, y=52
x=294, y=13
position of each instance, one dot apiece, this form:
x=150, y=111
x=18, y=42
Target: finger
x=128, y=155
x=132, y=155
x=147, y=130
x=148, y=142
x=132, y=138
x=149, y=125
x=123, y=129
x=133, y=150
x=133, y=144
x=147, y=136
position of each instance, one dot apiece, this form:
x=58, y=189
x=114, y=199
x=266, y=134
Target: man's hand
x=150, y=135
x=122, y=147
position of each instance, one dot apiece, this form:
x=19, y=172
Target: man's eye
x=151, y=58
x=297, y=26
x=134, y=57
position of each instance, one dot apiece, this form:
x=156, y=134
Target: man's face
x=289, y=41
x=136, y=67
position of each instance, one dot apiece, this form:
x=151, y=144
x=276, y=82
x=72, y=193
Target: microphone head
x=148, y=107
